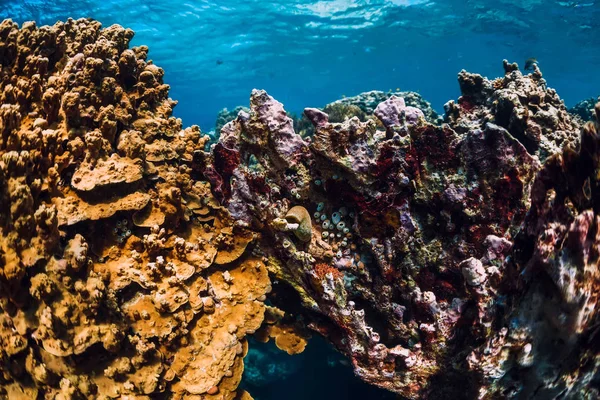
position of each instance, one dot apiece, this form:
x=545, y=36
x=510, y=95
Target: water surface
x=308, y=53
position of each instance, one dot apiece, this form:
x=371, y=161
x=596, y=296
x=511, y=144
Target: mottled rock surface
x=363, y=107
x=524, y=105
x=224, y=116
x=546, y=345
x=367, y=102
x=411, y=269
x=396, y=213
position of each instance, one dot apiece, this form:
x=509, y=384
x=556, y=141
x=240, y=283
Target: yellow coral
x=141, y=233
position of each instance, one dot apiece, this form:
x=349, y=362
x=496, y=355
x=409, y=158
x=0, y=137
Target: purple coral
x=394, y=114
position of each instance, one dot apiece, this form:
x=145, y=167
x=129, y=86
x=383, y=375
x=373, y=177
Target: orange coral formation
x=289, y=337
x=109, y=286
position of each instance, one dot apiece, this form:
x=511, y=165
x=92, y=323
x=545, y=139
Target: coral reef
x=522, y=104
x=585, y=108
x=367, y=102
x=548, y=343
x=289, y=335
x=363, y=106
x=395, y=215
x=455, y=260
x=224, y=116
x=120, y=274
x=412, y=225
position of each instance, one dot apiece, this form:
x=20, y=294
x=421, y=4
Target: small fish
x=219, y=62
x=529, y=63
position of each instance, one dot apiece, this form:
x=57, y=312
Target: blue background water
x=316, y=374
x=308, y=53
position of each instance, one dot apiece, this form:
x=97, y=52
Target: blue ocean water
x=317, y=373
x=308, y=53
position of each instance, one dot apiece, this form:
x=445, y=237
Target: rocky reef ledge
x=446, y=261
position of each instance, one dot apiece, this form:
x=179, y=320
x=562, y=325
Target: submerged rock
x=367, y=102
x=224, y=116
x=395, y=213
x=547, y=343
x=522, y=104
x=363, y=106
x=412, y=253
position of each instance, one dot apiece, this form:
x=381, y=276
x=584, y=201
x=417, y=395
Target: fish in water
x=529, y=63
x=219, y=62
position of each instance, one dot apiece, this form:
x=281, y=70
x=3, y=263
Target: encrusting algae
x=436, y=257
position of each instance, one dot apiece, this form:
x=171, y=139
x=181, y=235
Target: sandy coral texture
x=120, y=275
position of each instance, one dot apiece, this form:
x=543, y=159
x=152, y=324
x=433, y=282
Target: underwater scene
x=334, y=199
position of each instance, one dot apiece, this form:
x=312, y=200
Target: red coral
x=258, y=184
x=388, y=161
x=509, y=190
x=436, y=145
x=322, y=269
x=465, y=104
x=225, y=162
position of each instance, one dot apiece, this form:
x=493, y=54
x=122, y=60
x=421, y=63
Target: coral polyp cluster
x=445, y=260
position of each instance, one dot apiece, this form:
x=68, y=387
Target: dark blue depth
x=319, y=373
